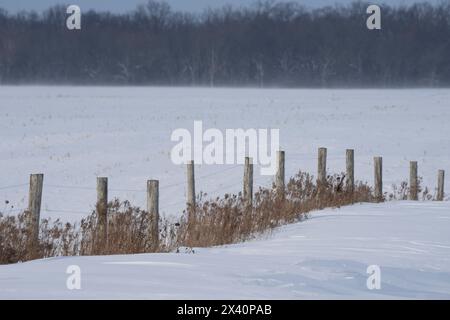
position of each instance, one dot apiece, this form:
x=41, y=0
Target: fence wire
x=296, y=156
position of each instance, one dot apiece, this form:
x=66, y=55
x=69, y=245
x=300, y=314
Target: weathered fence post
x=440, y=193
x=248, y=182
x=34, y=204
x=190, y=187
x=378, y=188
x=350, y=172
x=102, y=213
x=153, y=211
x=413, y=182
x=279, y=180
x=322, y=167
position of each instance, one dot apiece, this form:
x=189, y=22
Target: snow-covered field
x=326, y=256
x=74, y=134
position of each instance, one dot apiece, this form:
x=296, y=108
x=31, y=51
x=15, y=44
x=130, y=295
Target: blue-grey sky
x=185, y=5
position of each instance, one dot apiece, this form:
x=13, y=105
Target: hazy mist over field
x=269, y=44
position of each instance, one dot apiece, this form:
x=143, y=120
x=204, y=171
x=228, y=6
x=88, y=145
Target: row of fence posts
x=36, y=188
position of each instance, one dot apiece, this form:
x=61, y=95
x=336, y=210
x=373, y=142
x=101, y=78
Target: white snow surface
x=74, y=134
x=323, y=257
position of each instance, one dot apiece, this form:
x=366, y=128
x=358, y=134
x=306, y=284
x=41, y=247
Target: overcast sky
x=187, y=5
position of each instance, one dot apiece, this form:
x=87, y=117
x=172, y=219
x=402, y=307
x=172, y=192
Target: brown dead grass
x=219, y=221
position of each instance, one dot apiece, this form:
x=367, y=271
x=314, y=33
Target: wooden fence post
x=413, y=182
x=34, y=205
x=440, y=193
x=190, y=187
x=350, y=166
x=102, y=213
x=153, y=211
x=322, y=167
x=248, y=182
x=378, y=188
x=279, y=180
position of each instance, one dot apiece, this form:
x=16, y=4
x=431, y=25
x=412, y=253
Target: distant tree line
x=267, y=44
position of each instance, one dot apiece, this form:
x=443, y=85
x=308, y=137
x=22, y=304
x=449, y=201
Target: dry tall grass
x=401, y=192
x=227, y=220
x=219, y=221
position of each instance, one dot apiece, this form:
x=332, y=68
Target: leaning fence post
x=248, y=182
x=350, y=166
x=34, y=204
x=102, y=212
x=279, y=181
x=322, y=167
x=413, y=182
x=153, y=211
x=440, y=193
x=378, y=168
x=190, y=187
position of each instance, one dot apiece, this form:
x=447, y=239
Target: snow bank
x=324, y=257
